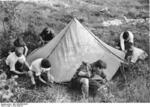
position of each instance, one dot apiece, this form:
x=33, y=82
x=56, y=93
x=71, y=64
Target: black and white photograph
x=74, y=51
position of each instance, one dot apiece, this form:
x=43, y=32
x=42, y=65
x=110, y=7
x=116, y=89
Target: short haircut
x=45, y=63
x=84, y=63
x=18, y=53
x=47, y=34
x=19, y=42
x=125, y=35
x=100, y=64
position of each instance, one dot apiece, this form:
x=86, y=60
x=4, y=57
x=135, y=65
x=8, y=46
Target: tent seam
x=59, y=41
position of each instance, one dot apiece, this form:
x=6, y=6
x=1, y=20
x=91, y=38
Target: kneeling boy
x=17, y=64
x=40, y=72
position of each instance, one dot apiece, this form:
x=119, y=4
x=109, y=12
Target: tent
x=74, y=44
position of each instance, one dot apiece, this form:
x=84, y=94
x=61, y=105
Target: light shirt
x=36, y=66
x=130, y=39
x=12, y=59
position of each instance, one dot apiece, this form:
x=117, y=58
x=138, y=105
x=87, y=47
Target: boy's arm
x=50, y=78
x=84, y=74
x=42, y=79
x=101, y=73
x=41, y=40
x=81, y=73
x=122, y=43
x=131, y=37
x=17, y=72
x=7, y=61
x=26, y=63
x=26, y=50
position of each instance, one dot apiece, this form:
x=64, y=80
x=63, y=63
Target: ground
x=29, y=18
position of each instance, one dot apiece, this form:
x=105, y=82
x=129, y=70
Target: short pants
x=38, y=81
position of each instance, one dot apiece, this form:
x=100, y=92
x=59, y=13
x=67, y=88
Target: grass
x=32, y=21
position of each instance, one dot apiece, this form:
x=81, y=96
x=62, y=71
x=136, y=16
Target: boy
x=40, y=72
x=12, y=61
x=126, y=43
x=83, y=77
x=20, y=45
x=46, y=35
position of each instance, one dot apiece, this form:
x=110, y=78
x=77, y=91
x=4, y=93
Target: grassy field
x=29, y=18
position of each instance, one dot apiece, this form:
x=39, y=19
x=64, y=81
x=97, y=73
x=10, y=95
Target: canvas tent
x=74, y=44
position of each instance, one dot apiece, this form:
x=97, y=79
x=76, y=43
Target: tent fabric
x=74, y=44
x=138, y=54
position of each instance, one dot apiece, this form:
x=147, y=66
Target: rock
x=115, y=22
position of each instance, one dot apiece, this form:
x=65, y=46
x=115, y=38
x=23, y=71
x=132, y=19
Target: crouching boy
x=40, y=73
x=127, y=44
x=17, y=64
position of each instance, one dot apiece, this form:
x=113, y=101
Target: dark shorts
x=129, y=53
x=128, y=47
x=21, y=68
x=93, y=84
x=75, y=83
x=11, y=74
x=37, y=80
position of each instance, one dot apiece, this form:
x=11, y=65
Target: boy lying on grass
x=40, y=73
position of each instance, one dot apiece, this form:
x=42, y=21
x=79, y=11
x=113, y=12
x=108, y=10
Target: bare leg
x=85, y=87
x=32, y=77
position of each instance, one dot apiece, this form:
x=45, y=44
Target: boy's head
x=18, y=52
x=98, y=67
x=45, y=65
x=19, y=42
x=100, y=64
x=84, y=63
x=126, y=35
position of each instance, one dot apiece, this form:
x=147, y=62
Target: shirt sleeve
x=36, y=69
x=82, y=73
x=122, y=42
x=7, y=61
x=38, y=73
x=131, y=37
